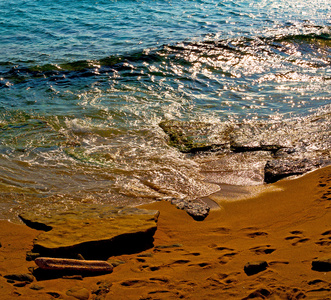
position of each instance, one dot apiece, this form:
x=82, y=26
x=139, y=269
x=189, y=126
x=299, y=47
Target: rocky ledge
x=277, y=149
x=91, y=231
x=251, y=153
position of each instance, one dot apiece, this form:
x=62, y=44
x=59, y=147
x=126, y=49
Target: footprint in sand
x=172, y=264
x=133, y=283
x=297, y=237
x=225, y=258
x=319, y=289
x=204, y=265
x=326, y=239
x=323, y=183
x=223, y=230
x=228, y=253
x=256, y=234
x=265, y=249
x=222, y=281
x=168, y=248
x=192, y=254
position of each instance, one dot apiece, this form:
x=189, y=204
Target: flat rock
x=294, y=146
x=94, y=231
x=322, y=264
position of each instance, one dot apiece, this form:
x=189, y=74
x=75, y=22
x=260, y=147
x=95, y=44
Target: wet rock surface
x=277, y=169
x=254, y=151
x=251, y=153
x=193, y=137
x=92, y=231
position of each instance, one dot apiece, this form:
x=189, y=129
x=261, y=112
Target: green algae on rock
x=192, y=137
x=94, y=231
x=303, y=144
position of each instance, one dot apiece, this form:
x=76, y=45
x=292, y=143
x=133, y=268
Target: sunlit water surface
x=84, y=85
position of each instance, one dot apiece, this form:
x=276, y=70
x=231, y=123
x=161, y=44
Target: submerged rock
x=295, y=146
x=94, y=231
x=235, y=168
x=193, y=137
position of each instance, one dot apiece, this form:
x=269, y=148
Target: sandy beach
x=288, y=226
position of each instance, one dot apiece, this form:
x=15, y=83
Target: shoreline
x=287, y=225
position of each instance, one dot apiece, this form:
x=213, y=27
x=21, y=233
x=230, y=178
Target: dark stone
x=20, y=277
x=322, y=265
x=278, y=169
x=255, y=267
x=197, y=208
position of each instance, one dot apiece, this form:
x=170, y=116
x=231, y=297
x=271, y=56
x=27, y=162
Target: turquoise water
x=84, y=85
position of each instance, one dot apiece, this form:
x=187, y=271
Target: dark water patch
x=185, y=54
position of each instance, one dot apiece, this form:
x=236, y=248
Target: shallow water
x=84, y=85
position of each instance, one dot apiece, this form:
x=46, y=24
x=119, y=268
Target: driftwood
x=65, y=264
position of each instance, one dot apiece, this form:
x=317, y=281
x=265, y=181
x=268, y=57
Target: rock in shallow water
x=193, y=137
x=94, y=231
x=296, y=146
x=277, y=169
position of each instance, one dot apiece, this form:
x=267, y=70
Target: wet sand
x=287, y=225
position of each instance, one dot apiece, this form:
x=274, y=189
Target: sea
x=85, y=84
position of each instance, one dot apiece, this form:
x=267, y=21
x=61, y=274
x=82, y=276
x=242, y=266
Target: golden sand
x=287, y=225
